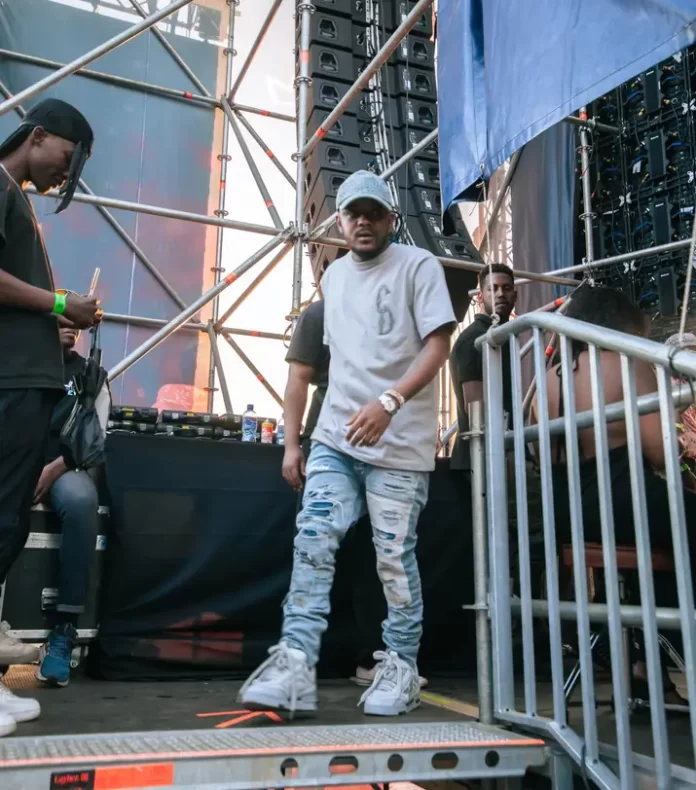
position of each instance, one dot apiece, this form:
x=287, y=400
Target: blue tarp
x=509, y=69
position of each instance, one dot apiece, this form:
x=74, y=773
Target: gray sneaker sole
x=382, y=710
x=256, y=701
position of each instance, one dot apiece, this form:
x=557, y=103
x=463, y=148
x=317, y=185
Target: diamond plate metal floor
x=262, y=758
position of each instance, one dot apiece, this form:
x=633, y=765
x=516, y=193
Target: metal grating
x=15, y=752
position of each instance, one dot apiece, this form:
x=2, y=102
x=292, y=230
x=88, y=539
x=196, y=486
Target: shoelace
x=390, y=673
x=279, y=659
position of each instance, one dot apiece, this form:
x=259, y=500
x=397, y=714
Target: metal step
x=250, y=758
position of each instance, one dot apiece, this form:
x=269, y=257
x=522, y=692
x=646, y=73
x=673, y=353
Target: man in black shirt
x=498, y=295
x=48, y=149
x=72, y=494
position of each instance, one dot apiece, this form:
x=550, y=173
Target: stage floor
x=89, y=706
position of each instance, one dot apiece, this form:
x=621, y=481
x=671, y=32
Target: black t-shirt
x=73, y=364
x=466, y=364
x=30, y=352
x=307, y=346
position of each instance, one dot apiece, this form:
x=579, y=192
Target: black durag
x=63, y=120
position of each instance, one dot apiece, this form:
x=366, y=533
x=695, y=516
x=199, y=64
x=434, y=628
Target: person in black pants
x=308, y=359
x=48, y=150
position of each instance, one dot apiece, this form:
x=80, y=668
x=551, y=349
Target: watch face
x=389, y=404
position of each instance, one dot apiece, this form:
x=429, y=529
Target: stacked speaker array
x=643, y=184
x=341, y=45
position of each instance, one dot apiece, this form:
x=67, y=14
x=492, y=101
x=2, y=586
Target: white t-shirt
x=377, y=316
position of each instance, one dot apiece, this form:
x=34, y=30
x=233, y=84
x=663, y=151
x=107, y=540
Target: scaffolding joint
x=221, y=213
x=305, y=7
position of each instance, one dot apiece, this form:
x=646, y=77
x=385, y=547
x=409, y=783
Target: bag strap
x=95, y=351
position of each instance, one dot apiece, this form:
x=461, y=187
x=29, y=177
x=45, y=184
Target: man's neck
x=17, y=168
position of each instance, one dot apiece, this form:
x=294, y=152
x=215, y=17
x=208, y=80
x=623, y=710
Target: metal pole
x=302, y=83
x=388, y=173
x=217, y=364
x=197, y=326
x=260, y=277
x=224, y=158
x=480, y=538
x=279, y=116
x=116, y=225
x=592, y=125
x=587, y=216
x=374, y=66
x=97, y=52
x=193, y=308
x=259, y=140
x=112, y=79
x=245, y=359
x=267, y=22
x=493, y=216
x=174, y=54
x=169, y=213
x=258, y=178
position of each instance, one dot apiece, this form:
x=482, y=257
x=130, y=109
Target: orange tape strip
x=230, y=278
x=304, y=56
x=321, y=132
x=131, y=777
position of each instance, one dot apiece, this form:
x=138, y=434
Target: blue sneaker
x=56, y=654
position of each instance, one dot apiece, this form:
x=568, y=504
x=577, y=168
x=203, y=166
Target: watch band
x=398, y=397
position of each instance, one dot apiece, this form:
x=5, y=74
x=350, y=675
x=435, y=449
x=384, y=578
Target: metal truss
x=284, y=234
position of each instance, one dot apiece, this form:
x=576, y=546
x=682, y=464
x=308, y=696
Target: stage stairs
x=259, y=758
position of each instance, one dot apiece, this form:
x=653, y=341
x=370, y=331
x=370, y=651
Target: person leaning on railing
x=687, y=424
x=614, y=310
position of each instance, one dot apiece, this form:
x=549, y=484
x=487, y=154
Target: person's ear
x=339, y=224
x=38, y=135
x=479, y=298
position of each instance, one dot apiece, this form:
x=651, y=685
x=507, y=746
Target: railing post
x=480, y=537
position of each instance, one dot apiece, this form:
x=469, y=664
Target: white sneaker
x=14, y=651
x=7, y=724
x=395, y=689
x=283, y=682
x=19, y=708
x=365, y=677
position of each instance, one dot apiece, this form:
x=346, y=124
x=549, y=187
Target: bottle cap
x=250, y=407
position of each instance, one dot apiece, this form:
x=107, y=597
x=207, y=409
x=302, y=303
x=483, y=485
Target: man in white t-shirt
x=387, y=323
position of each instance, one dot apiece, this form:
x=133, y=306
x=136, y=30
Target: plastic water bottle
x=249, y=424
x=266, y=432
x=280, y=431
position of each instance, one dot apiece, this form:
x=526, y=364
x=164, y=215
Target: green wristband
x=59, y=304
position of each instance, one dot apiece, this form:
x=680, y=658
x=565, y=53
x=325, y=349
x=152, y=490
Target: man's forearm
x=425, y=366
x=17, y=293
x=295, y=403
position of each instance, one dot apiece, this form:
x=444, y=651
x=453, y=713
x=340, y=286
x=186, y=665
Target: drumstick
x=95, y=280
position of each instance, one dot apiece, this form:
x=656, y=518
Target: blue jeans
x=338, y=491
x=74, y=498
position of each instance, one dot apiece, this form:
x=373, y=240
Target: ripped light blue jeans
x=338, y=491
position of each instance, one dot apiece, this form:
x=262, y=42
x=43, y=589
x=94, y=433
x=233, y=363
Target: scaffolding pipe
x=499, y=200
x=257, y=373
x=267, y=22
x=260, y=142
x=176, y=57
x=278, y=116
x=193, y=308
x=217, y=365
x=587, y=216
x=117, y=227
x=93, y=54
x=255, y=172
x=374, y=66
x=112, y=79
x=302, y=83
x=161, y=211
x=592, y=125
x=260, y=277
x=224, y=158
x=196, y=326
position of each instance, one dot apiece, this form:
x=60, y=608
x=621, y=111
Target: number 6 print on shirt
x=386, y=317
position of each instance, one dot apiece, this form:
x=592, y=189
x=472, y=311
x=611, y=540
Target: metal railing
x=520, y=707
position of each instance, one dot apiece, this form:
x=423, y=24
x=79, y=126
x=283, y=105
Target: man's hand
x=367, y=426
x=294, y=467
x=82, y=311
x=49, y=475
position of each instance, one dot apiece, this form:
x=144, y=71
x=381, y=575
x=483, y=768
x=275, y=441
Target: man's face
x=367, y=227
x=498, y=294
x=49, y=160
